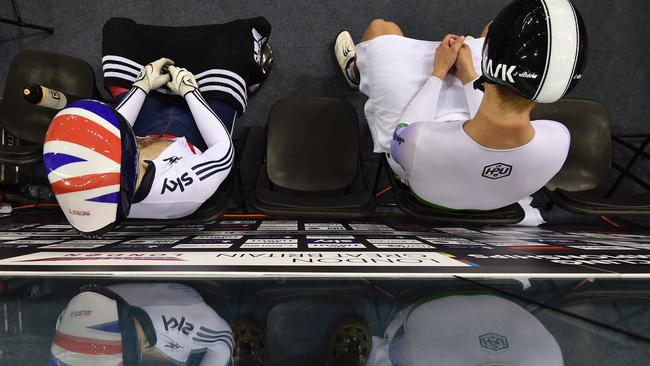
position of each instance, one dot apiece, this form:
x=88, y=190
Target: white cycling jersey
x=182, y=178
x=183, y=324
x=443, y=166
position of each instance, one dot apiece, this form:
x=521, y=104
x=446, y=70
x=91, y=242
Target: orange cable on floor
x=383, y=191
x=609, y=221
x=35, y=205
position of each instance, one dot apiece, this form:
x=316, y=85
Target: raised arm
x=212, y=129
x=151, y=77
x=467, y=74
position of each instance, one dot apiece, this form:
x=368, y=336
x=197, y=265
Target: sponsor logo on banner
x=447, y=240
x=276, y=259
x=600, y=247
x=324, y=227
x=177, y=228
x=279, y=225
x=335, y=246
x=13, y=236
x=574, y=259
x=80, y=244
x=393, y=241
x=55, y=227
x=269, y=243
x=32, y=241
x=370, y=227
x=156, y=240
x=203, y=246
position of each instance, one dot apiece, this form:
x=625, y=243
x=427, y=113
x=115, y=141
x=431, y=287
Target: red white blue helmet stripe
x=85, y=160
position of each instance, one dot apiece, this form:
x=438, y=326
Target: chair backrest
x=312, y=144
x=66, y=74
x=590, y=155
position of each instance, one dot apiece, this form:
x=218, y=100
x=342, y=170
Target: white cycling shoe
x=346, y=53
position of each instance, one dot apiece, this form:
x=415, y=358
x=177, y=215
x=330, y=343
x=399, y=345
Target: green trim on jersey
x=443, y=208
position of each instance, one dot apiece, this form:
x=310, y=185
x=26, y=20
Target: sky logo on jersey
x=181, y=325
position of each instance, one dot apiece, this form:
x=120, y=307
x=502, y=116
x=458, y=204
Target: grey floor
x=303, y=31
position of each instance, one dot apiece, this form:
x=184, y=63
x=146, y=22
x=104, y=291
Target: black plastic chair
x=313, y=167
x=409, y=204
x=29, y=122
x=580, y=185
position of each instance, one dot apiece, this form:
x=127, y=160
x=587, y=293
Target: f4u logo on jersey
x=181, y=325
x=502, y=71
x=497, y=171
x=180, y=182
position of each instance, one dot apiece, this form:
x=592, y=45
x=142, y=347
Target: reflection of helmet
x=474, y=330
x=88, y=333
x=537, y=48
x=91, y=158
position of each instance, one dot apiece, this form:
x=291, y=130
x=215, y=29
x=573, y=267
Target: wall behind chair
x=303, y=33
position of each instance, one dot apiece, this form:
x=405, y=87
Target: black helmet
x=537, y=48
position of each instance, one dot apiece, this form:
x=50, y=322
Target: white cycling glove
x=182, y=81
x=154, y=75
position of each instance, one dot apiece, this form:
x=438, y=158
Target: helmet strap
x=478, y=83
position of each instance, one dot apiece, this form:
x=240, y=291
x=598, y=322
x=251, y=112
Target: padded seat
x=592, y=203
x=67, y=74
x=313, y=167
x=408, y=203
x=588, y=164
x=27, y=121
x=578, y=187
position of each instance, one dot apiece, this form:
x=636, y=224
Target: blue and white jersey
x=184, y=324
x=181, y=178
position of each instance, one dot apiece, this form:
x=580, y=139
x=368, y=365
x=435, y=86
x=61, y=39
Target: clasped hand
x=454, y=55
x=163, y=72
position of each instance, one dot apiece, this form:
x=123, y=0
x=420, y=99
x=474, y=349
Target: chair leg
x=380, y=168
x=19, y=21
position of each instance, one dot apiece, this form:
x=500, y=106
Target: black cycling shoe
x=350, y=342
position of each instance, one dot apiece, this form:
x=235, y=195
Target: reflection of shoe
x=250, y=343
x=346, y=53
x=350, y=342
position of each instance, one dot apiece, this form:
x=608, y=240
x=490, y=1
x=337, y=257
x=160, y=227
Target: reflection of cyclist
x=133, y=324
x=487, y=154
x=471, y=329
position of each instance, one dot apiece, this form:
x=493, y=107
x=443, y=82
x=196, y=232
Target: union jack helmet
x=91, y=159
x=88, y=333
